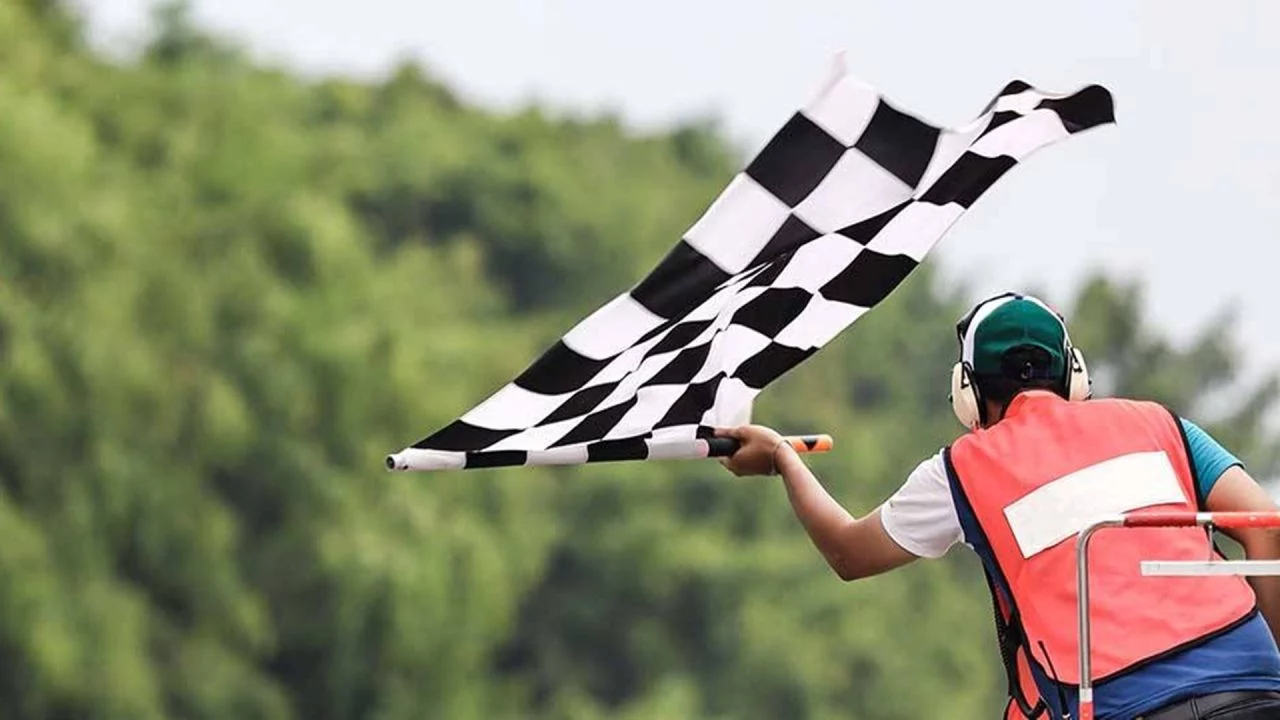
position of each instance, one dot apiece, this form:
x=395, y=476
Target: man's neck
x=997, y=411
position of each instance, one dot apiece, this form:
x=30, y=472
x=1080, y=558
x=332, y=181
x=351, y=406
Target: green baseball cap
x=1013, y=321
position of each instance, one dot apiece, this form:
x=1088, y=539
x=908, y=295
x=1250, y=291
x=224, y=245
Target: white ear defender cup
x=1080, y=385
x=964, y=397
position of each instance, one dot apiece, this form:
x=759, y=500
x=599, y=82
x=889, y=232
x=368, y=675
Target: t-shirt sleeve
x=920, y=516
x=1208, y=456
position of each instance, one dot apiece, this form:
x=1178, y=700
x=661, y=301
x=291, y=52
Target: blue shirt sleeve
x=1208, y=456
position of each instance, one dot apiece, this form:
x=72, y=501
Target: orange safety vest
x=1025, y=488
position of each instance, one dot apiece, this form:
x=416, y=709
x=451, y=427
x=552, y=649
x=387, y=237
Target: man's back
x=1027, y=486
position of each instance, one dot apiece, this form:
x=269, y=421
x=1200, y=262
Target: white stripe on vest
x=1064, y=507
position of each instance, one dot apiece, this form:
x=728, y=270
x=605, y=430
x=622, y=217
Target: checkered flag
x=840, y=205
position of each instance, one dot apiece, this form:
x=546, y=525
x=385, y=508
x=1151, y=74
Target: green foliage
x=227, y=292
x=1201, y=380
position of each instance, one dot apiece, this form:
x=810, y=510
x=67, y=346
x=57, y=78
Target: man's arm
x=854, y=547
x=1237, y=491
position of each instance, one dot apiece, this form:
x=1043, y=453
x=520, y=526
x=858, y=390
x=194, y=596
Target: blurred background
x=247, y=248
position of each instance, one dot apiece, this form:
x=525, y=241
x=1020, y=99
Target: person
x=1041, y=460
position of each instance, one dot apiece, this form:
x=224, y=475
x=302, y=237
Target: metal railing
x=1159, y=567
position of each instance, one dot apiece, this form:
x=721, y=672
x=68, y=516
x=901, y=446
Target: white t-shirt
x=920, y=516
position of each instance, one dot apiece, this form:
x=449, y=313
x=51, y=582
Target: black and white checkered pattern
x=833, y=213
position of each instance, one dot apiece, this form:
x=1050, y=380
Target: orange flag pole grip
x=724, y=447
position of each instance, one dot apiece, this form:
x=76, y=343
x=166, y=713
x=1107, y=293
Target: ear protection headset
x=966, y=399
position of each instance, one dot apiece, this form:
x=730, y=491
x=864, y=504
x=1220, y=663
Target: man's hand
x=755, y=456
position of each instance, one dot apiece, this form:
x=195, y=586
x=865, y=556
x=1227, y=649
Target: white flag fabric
x=831, y=215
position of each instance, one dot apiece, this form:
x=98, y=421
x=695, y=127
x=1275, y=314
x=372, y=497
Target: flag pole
x=424, y=460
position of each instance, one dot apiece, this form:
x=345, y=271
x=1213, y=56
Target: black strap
x=1010, y=638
